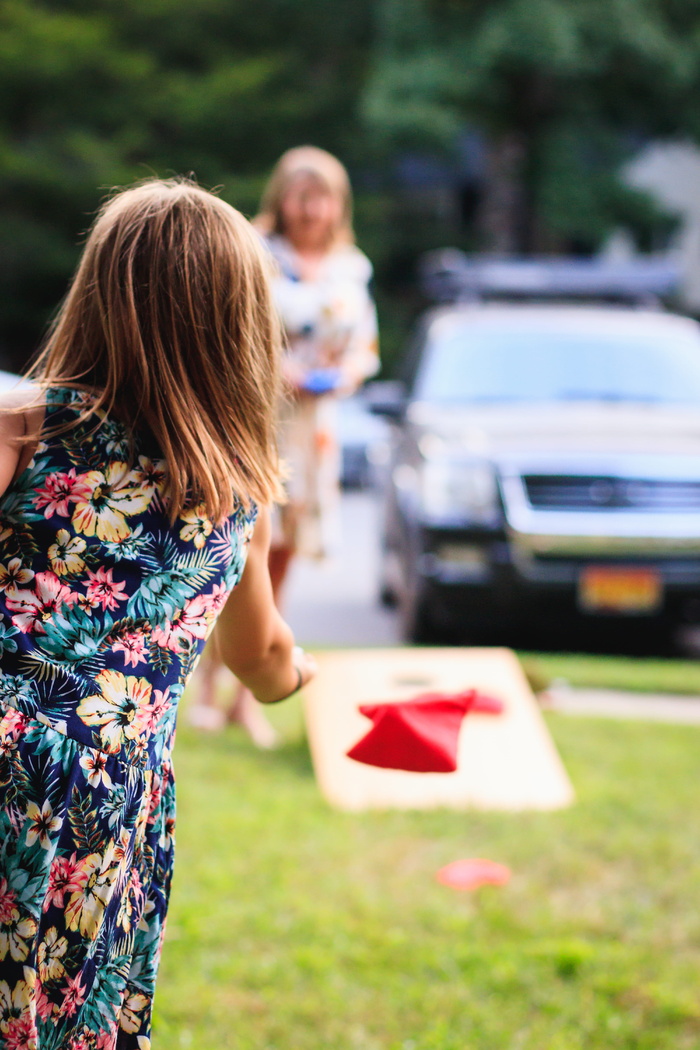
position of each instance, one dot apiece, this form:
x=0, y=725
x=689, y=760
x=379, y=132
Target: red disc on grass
x=472, y=873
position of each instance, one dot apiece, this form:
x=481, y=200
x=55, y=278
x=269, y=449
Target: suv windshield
x=480, y=362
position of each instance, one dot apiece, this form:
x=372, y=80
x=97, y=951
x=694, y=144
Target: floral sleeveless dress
x=104, y=609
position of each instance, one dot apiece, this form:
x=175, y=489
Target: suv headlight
x=464, y=489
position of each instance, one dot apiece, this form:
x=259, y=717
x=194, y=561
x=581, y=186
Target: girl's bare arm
x=250, y=635
x=21, y=414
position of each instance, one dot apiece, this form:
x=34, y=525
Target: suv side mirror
x=386, y=397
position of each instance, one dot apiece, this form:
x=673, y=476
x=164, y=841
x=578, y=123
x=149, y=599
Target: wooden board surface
x=506, y=762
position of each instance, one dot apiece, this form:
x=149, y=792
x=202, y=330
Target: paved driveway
x=335, y=603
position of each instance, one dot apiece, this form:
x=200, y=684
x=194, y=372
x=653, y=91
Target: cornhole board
x=506, y=761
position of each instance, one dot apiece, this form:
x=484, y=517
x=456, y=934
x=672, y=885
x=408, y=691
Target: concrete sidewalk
x=612, y=703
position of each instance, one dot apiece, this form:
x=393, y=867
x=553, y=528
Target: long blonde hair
x=320, y=165
x=170, y=325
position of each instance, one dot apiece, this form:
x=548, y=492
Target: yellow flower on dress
x=198, y=526
x=149, y=475
x=49, y=955
x=16, y=1001
x=133, y=1004
x=96, y=878
x=104, y=500
x=64, y=554
x=13, y=576
x=122, y=710
x=14, y=932
x=94, y=765
x=41, y=823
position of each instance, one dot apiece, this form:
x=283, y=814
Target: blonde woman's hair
x=318, y=164
x=169, y=324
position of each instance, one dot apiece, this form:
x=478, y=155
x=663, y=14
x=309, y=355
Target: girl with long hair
x=136, y=472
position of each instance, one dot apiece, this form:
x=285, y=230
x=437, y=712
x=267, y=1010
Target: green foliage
x=562, y=83
x=98, y=94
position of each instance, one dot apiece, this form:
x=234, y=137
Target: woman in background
x=321, y=290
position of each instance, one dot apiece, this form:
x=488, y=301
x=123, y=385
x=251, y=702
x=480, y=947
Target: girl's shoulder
x=22, y=411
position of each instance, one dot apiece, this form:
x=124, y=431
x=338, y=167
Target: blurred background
x=521, y=126
x=507, y=129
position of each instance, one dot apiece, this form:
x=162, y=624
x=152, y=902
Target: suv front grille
x=601, y=493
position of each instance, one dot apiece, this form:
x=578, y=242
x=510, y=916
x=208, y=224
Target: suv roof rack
x=449, y=275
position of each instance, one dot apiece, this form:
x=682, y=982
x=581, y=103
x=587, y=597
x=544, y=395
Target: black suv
x=545, y=452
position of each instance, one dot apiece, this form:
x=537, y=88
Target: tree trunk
x=503, y=223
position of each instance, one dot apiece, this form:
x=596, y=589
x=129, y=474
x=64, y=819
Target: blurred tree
x=562, y=89
x=99, y=92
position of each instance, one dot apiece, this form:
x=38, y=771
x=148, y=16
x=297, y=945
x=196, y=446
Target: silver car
x=545, y=464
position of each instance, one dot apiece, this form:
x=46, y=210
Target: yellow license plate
x=619, y=590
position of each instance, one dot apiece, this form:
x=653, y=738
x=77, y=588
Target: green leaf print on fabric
x=83, y=820
x=73, y=635
x=8, y=643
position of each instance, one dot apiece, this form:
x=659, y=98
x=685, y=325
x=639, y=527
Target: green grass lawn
x=637, y=674
x=294, y=927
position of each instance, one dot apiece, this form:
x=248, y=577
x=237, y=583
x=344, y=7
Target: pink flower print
x=64, y=878
x=8, y=903
x=33, y=608
x=217, y=599
x=21, y=1033
x=73, y=996
x=160, y=705
x=103, y=590
x=106, y=1039
x=134, y=647
x=13, y=725
x=44, y=1006
x=167, y=837
x=13, y=576
x=58, y=491
x=154, y=798
x=192, y=621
